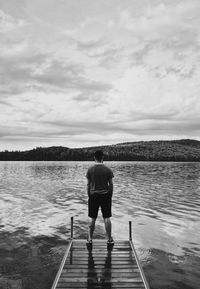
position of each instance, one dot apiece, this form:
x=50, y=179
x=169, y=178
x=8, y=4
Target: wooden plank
x=105, y=277
x=99, y=257
x=108, y=276
x=109, y=259
x=113, y=270
x=98, y=249
x=96, y=257
x=113, y=274
x=100, y=286
x=105, y=257
x=104, y=260
x=100, y=241
x=108, y=280
x=104, y=243
x=101, y=245
x=117, y=263
x=114, y=266
x=103, y=253
x=99, y=268
x=96, y=286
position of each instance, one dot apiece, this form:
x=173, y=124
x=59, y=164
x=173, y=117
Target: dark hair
x=98, y=155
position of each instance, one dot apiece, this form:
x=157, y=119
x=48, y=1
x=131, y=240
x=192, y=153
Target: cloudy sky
x=86, y=72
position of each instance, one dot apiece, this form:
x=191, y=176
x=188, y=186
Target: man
x=100, y=191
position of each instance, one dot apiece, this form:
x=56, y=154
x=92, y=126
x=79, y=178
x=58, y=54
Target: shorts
x=95, y=201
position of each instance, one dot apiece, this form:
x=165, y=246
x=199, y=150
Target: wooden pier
x=100, y=268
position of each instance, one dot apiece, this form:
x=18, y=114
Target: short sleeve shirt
x=99, y=176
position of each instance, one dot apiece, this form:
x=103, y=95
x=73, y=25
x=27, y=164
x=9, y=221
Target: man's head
x=98, y=156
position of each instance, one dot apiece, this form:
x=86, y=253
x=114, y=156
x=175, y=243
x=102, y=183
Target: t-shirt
x=99, y=176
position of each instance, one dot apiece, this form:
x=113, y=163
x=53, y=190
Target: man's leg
x=91, y=228
x=93, y=207
x=108, y=227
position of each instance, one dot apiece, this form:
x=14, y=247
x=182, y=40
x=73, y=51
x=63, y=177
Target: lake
x=37, y=200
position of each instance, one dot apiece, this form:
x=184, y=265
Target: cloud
x=170, y=27
x=159, y=21
x=9, y=23
x=109, y=71
x=4, y=102
x=41, y=72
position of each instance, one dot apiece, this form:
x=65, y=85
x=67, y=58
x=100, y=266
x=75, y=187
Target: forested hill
x=177, y=150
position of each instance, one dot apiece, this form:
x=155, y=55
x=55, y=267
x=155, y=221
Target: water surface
x=37, y=200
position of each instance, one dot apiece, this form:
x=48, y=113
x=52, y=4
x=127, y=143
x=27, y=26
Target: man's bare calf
x=108, y=227
x=91, y=228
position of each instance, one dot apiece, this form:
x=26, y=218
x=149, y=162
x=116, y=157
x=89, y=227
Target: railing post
x=72, y=222
x=130, y=230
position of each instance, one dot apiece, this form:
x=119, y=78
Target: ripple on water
x=37, y=200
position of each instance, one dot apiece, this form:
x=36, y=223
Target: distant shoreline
x=142, y=161
x=184, y=150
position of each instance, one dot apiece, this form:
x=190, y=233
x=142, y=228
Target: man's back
x=99, y=176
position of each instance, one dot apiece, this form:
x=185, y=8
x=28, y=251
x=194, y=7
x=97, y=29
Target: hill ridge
x=155, y=150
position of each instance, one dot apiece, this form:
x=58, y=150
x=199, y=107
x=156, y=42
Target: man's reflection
x=97, y=275
x=107, y=272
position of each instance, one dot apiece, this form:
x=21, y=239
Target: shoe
x=110, y=243
x=89, y=244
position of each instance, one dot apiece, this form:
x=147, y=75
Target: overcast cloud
x=86, y=72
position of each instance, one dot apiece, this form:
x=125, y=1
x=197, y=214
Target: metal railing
x=136, y=258
x=55, y=283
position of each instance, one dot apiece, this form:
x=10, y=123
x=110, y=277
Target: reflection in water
x=7, y=282
x=23, y=259
x=103, y=279
x=107, y=273
x=92, y=276
x=37, y=200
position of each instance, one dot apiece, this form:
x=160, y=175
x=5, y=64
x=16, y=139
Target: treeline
x=179, y=150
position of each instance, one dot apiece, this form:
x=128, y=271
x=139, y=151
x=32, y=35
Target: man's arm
x=88, y=182
x=88, y=187
x=110, y=187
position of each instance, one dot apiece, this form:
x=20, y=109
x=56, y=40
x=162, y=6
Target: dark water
x=37, y=200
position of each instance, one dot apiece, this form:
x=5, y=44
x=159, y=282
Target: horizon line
x=172, y=140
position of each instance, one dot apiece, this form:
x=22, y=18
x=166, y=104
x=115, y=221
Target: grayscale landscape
x=120, y=76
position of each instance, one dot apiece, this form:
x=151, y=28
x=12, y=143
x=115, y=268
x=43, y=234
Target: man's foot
x=89, y=244
x=110, y=244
